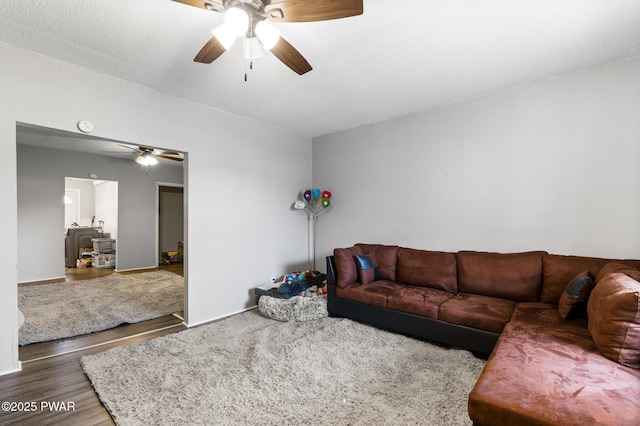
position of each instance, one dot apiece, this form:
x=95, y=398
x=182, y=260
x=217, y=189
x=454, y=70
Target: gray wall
x=552, y=165
x=241, y=178
x=41, y=173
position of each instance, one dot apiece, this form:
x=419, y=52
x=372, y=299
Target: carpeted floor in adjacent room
x=54, y=311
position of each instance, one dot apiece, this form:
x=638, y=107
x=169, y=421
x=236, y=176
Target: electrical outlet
x=273, y=280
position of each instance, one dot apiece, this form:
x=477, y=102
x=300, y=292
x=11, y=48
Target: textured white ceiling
x=77, y=142
x=398, y=57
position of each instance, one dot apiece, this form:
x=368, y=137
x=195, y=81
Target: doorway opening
x=45, y=157
x=90, y=211
x=170, y=240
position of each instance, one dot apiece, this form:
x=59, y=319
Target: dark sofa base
x=477, y=341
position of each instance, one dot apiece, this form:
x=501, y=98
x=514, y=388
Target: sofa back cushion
x=514, y=276
x=557, y=272
x=425, y=268
x=614, y=318
x=619, y=267
x=346, y=270
x=386, y=257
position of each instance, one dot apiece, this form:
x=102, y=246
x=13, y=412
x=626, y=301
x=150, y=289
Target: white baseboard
x=13, y=370
x=43, y=281
x=219, y=318
x=136, y=269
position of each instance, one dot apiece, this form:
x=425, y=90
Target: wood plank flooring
x=51, y=371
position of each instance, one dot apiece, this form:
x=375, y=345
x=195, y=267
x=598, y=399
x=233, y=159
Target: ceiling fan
x=147, y=156
x=249, y=18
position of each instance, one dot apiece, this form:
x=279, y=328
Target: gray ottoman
x=297, y=308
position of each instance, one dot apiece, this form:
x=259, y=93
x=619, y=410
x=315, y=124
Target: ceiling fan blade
x=310, y=11
x=129, y=147
x=167, y=157
x=210, y=51
x=167, y=152
x=291, y=57
x=203, y=4
x=194, y=3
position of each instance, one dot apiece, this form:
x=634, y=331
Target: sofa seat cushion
x=543, y=314
x=422, y=301
x=545, y=375
x=475, y=311
x=374, y=293
x=426, y=268
x=558, y=270
x=513, y=276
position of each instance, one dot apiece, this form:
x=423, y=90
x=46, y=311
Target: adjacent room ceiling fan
x=248, y=19
x=147, y=156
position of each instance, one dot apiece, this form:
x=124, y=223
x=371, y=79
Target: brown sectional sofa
x=541, y=370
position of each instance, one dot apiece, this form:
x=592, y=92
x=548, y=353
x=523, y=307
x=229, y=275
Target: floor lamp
x=314, y=202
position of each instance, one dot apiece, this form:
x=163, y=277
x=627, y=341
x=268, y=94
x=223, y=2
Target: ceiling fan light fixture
x=267, y=34
x=225, y=35
x=238, y=20
x=252, y=48
x=146, y=160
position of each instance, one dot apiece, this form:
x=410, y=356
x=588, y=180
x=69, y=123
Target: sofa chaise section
x=546, y=371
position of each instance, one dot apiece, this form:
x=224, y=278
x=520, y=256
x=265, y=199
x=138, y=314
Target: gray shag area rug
x=250, y=370
x=55, y=311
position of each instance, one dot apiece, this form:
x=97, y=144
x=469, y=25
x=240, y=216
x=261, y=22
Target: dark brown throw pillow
x=367, y=265
x=573, y=302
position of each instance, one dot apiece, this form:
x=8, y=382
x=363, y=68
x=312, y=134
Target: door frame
x=78, y=195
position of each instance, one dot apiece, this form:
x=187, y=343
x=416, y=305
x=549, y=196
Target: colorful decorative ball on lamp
x=307, y=195
x=315, y=192
x=326, y=202
x=326, y=194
